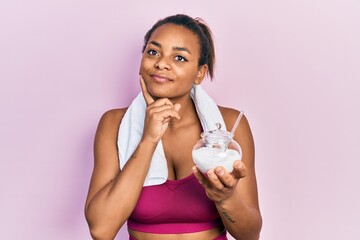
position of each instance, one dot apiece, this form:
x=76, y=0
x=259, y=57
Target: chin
x=160, y=94
x=158, y=91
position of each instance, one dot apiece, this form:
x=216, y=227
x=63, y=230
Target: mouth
x=159, y=78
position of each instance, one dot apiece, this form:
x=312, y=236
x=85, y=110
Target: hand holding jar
x=216, y=148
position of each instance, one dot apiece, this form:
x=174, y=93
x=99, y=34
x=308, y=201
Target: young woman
x=177, y=54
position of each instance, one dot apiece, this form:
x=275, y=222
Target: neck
x=187, y=112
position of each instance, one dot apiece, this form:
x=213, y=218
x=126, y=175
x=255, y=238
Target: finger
x=225, y=177
x=155, y=109
x=165, y=114
x=200, y=177
x=215, y=181
x=162, y=101
x=177, y=107
x=240, y=170
x=166, y=120
x=148, y=98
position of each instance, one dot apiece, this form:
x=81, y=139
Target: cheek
x=143, y=66
x=188, y=73
x=146, y=64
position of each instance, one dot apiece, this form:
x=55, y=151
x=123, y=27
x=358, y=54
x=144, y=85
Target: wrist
x=148, y=142
x=222, y=205
x=227, y=202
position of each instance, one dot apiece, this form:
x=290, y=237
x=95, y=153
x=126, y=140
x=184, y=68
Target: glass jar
x=216, y=148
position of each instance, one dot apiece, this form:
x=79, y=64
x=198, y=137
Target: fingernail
x=220, y=172
x=238, y=165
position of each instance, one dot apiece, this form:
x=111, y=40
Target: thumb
x=240, y=170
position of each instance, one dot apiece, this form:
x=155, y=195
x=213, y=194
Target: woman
x=177, y=54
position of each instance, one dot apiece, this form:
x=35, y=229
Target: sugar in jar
x=216, y=148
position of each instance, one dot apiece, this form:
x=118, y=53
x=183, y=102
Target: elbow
x=100, y=233
x=102, y=230
x=249, y=236
x=252, y=236
x=252, y=231
x=256, y=236
x=103, y=226
x=257, y=228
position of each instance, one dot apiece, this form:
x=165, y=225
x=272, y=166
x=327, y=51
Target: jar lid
x=217, y=135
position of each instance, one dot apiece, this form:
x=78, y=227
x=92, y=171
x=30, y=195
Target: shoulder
x=243, y=130
x=242, y=134
x=110, y=121
x=230, y=115
x=113, y=116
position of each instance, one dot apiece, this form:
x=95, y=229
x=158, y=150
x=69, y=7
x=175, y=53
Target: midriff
x=207, y=234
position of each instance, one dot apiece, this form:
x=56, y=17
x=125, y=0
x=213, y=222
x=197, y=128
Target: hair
x=199, y=28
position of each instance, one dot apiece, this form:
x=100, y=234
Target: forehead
x=172, y=35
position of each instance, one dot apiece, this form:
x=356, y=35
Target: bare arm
x=235, y=194
x=113, y=193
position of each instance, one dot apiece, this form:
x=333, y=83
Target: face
x=169, y=63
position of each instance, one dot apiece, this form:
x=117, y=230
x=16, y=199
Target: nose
x=162, y=64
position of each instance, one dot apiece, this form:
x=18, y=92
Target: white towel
x=132, y=124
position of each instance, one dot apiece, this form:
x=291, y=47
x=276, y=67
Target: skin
x=168, y=70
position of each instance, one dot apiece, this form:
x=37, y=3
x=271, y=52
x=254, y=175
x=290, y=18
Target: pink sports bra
x=176, y=206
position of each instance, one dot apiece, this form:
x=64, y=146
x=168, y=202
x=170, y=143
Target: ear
x=203, y=69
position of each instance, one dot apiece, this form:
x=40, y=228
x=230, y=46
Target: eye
x=152, y=52
x=180, y=58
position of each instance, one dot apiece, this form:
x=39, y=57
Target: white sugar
x=210, y=158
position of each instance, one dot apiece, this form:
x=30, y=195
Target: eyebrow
x=184, y=49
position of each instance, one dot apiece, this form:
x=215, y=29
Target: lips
x=159, y=78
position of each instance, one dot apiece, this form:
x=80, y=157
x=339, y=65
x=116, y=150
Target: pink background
x=292, y=66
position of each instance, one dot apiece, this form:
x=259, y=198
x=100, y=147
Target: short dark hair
x=199, y=28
